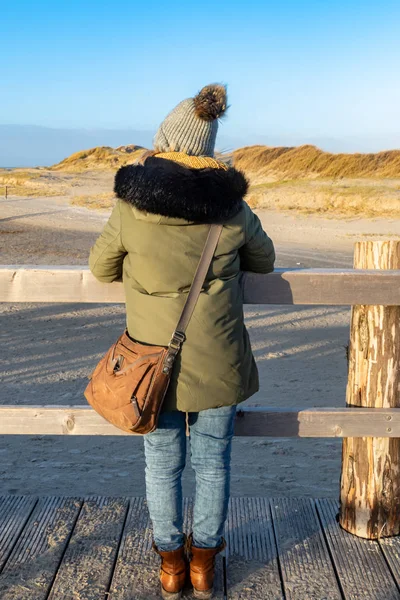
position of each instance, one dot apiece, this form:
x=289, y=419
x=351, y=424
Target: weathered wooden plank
x=251, y=421
x=317, y=422
x=136, y=573
x=307, y=570
x=31, y=566
x=360, y=565
x=87, y=565
x=338, y=287
x=136, y=569
x=252, y=565
x=285, y=286
x=390, y=547
x=14, y=513
x=31, y=283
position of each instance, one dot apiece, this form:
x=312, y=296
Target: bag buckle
x=173, y=348
x=177, y=340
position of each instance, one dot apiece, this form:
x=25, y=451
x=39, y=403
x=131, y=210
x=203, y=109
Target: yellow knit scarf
x=193, y=162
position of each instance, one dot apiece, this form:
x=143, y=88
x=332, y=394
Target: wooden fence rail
x=250, y=421
x=338, y=287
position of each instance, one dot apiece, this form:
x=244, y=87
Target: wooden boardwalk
x=67, y=548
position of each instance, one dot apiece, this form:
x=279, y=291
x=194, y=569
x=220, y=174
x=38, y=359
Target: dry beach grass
x=330, y=197
x=304, y=162
x=73, y=177
x=31, y=183
x=308, y=180
x=101, y=158
x=97, y=201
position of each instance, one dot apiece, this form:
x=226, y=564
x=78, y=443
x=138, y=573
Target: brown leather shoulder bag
x=129, y=384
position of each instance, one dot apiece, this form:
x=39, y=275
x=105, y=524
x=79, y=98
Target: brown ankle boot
x=202, y=568
x=172, y=572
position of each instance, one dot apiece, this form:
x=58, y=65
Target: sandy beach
x=47, y=350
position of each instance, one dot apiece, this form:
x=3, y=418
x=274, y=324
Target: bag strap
x=178, y=336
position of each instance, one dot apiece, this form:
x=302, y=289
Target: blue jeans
x=211, y=433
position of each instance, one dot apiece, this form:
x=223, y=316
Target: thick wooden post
x=370, y=486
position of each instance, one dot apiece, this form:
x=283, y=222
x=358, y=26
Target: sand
x=47, y=350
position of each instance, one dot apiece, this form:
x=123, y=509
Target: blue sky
x=315, y=67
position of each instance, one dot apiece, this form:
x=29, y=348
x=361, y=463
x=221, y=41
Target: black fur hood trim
x=166, y=188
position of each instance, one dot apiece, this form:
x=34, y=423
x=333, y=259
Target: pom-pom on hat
x=191, y=127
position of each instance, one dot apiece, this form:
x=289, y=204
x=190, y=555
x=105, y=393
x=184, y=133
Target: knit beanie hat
x=191, y=127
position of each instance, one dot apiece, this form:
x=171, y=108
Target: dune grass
x=309, y=162
x=99, y=159
x=309, y=180
x=331, y=198
x=29, y=183
x=95, y=201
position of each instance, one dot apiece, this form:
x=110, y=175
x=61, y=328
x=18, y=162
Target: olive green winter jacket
x=153, y=240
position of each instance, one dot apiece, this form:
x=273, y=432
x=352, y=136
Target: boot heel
x=173, y=572
x=170, y=595
x=202, y=569
x=203, y=595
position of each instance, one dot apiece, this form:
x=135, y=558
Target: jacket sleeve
x=108, y=253
x=258, y=253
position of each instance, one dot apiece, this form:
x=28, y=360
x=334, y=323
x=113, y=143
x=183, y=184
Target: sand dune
x=101, y=158
x=309, y=162
x=299, y=179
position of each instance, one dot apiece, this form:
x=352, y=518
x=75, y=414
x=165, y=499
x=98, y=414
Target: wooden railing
x=370, y=495
x=251, y=421
x=338, y=287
